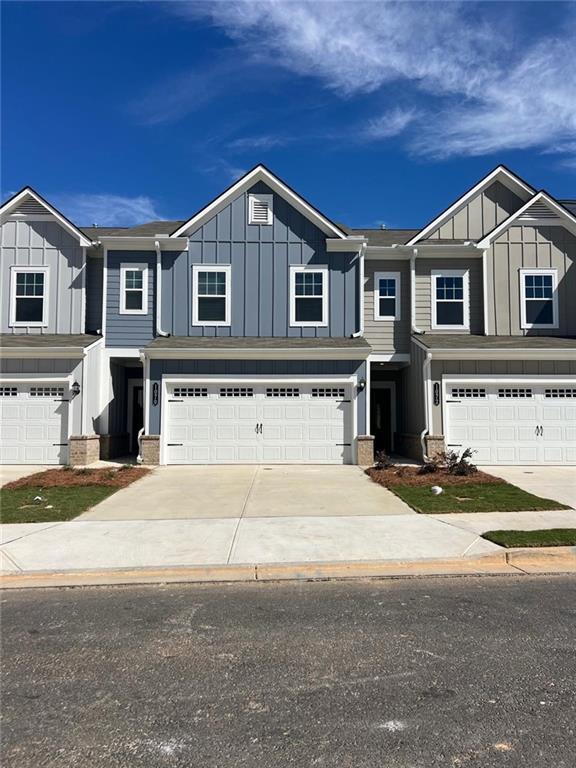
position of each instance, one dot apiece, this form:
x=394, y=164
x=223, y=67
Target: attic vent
x=260, y=209
x=538, y=211
x=30, y=207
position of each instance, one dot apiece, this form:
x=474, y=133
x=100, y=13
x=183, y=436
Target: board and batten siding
x=423, y=310
x=481, y=215
x=494, y=368
x=271, y=368
x=129, y=330
x=44, y=244
x=387, y=335
x=527, y=247
x=260, y=259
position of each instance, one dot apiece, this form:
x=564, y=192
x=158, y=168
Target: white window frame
x=524, y=324
x=127, y=267
x=15, y=270
x=265, y=198
x=196, y=269
x=386, y=276
x=296, y=269
x=465, y=275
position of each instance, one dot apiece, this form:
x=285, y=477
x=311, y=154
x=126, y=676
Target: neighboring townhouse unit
x=260, y=331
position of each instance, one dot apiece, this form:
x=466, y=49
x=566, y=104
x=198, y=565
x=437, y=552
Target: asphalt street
x=414, y=673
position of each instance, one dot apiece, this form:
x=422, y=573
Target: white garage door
x=258, y=423
x=33, y=423
x=526, y=423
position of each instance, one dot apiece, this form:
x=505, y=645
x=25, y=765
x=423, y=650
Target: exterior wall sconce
x=75, y=389
x=361, y=385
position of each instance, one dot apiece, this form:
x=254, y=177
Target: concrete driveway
x=210, y=492
x=10, y=472
x=556, y=483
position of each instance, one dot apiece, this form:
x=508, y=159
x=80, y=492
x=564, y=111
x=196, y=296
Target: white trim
x=268, y=201
x=133, y=267
x=83, y=272
x=167, y=379
x=397, y=295
x=36, y=377
x=497, y=378
x=15, y=269
x=227, y=269
x=28, y=192
x=296, y=269
x=146, y=382
x=568, y=218
x=485, y=291
x=389, y=357
x=259, y=174
x=537, y=271
x=465, y=275
x=122, y=352
x=501, y=174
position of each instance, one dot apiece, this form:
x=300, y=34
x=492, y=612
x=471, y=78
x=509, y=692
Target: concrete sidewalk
x=131, y=544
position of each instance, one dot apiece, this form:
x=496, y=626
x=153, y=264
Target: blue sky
x=377, y=112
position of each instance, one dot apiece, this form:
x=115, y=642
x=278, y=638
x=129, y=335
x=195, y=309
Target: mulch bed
x=68, y=478
x=408, y=475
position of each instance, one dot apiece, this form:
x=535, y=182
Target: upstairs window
x=387, y=296
x=260, y=209
x=539, y=307
x=133, y=289
x=309, y=296
x=29, y=296
x=211, y=286
x=450, y=310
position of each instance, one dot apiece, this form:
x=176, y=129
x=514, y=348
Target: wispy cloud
x=259, y=142
x=478, y=77
x=106, y=210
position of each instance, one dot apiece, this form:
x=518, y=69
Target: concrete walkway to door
x=210, y=492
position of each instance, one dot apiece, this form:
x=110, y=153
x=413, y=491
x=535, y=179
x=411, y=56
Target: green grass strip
x=18, y=505
x=551, y=537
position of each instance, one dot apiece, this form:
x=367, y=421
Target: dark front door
x=137, y=417
x=381, y=419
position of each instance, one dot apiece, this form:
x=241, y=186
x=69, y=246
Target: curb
x=514, y=562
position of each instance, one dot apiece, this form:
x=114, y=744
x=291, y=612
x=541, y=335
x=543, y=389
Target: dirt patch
x=409, y=476
x=70, y=478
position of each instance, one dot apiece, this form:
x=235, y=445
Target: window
x=260, y=209
x=338, y=392
x=236, y=392
x=560, y=392
x=282, y=392
x=29, y=305
x=514, y=392
x=133, y=289
x=539, y=306
x=464, y=392
x=190, y=391
x=308, y=296
x=386, y=296
x=211, y=305
x=450, y=299
x=8, y=391
x=46, y=391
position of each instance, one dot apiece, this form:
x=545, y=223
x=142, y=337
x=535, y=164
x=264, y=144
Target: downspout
x=426, y=368
x=485, y=289
x=361, y=255
x=413, y=291
x=159, y=331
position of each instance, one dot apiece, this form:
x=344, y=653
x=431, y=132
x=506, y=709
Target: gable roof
x=260, y=173
x=28, y=192
x=531, y=213
x=501, y=174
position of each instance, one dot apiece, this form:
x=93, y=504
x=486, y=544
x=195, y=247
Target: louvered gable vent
x=260, y=209
x=540, y=211
x=28, y=206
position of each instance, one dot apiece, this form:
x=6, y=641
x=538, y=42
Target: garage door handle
x=539, y=431
x=258, y=429
x=175, y=445
x=58, y=445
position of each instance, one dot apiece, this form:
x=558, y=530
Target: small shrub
x=124, y=467
x=462, y=465
x=429, y=468
x=382, y=460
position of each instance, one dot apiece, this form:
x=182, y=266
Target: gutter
x=159, y=331
x=426, y=367
x=413, y=257
x=361, y=255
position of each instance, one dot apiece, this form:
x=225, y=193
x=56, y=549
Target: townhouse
x=259, y=330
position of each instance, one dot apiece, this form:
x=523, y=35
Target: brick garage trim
x=365, y=450
x=150, y=447
x=83, y=450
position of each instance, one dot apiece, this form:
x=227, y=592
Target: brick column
x=150, y=447
x=434, y=445
x=365, y=450
x=83, y=450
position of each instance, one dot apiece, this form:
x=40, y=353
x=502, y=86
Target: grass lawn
x=552, y=537
x=18, y=505
x=483, y=497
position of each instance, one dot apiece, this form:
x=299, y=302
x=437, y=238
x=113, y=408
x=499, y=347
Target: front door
x=381, y=419
x=137, y=417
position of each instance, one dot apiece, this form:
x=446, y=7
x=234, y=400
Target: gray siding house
x=259, y=331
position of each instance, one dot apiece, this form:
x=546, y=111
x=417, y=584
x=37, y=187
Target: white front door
x=33, y=423
x=258, y=423
x=512, y=423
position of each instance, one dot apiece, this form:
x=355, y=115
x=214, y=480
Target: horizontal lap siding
x=387, y=335
x=260, y=257
x=128, y=330
x=47, y=244
x=424, y=268
x=526, y=247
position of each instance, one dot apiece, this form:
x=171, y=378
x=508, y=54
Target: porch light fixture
x=75, y=389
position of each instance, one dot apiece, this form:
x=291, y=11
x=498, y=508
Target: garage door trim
x=170, y=379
